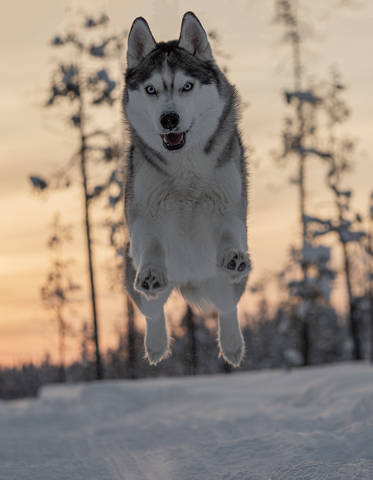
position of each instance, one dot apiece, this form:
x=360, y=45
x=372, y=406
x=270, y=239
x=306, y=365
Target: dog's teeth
x=173, y=140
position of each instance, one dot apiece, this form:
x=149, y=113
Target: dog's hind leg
x=231, y=343
x=156, y=338
x=225, y=296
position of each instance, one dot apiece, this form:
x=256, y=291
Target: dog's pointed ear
x=140, y=42
x=193, y=37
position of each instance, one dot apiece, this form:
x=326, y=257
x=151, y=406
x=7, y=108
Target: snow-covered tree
x=346, y=225
x=311, y=282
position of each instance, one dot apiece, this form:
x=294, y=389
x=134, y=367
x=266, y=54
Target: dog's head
x=173, y=94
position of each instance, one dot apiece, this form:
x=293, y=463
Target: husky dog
x=186, y=187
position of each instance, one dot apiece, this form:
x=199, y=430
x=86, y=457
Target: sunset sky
x=33, y=140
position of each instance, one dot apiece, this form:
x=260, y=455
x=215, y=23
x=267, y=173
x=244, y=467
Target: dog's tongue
x=173, y=138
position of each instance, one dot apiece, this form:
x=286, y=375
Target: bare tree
x=57, y=293
x=79, y=83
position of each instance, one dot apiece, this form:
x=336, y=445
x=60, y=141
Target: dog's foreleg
x=233, y=258
x=147, y=252
x=156, y=338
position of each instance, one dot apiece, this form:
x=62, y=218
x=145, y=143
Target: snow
x=306, y=96
x=313, y=151
x=38, y=183
x=313, y=254
x=314, y=423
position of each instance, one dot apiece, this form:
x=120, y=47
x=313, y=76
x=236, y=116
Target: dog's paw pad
x=150, y=281
x=236, y=263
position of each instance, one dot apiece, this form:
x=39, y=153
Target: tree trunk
x=371, y=326
x=305, y=339
x=354, y=331
x=353, y=318
x=61, y=347
x=370, y=278
x=306, y=343
x=191, y=358
x=87, y=223
x=370, y=296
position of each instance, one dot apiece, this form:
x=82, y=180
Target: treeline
x=268, y=345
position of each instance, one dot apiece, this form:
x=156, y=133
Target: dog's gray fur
x=186, y=185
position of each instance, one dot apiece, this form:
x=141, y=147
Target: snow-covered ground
x=308, y=424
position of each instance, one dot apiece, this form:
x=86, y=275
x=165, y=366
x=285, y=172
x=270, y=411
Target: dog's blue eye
x=187, y=87
x=150, y=90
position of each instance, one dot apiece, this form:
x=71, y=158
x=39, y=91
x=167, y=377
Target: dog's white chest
x=189, y=188
x=187, y=195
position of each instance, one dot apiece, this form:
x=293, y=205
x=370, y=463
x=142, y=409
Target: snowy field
x=304, y=425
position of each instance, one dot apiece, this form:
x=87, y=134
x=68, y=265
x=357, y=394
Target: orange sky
x=33, y=140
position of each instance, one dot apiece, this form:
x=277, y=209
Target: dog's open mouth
x=174, y=140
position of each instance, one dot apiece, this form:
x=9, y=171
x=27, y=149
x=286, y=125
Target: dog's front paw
x=150, y=281
x=236, y=263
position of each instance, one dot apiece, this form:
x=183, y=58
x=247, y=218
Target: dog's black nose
x=169, y=120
